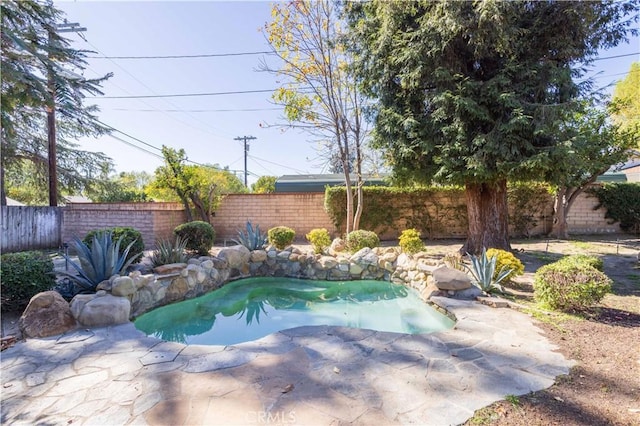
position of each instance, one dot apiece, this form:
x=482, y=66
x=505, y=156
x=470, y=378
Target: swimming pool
x=252, y=308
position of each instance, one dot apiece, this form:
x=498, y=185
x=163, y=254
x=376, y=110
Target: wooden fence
x=30, y=228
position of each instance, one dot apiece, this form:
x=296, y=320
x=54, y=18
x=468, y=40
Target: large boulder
x=450, y=279
x=123, y=286
x=100, y=309
x=47, y=314
x=236, y=256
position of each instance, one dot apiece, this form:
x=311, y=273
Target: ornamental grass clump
x=319, y=239
x=281, y=236
x=170, y=251
x=569, y=286
x=506, y=260
x=410, y=241
x=357, y=240
x=484, y=273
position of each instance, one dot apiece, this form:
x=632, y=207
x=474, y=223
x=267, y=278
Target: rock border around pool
x=123, y=298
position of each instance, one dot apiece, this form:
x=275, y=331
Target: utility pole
x=246, y=151
x=66, y=27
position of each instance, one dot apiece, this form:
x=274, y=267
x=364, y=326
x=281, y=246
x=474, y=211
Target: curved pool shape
x=252, y=308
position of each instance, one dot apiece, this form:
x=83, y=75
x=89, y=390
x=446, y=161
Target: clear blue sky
x=196, y=124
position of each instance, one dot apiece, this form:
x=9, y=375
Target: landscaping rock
x=100, y=309
x=450, y=279
x=123, y=286
x=47, y=314
x=170, y=268
x=236, y=256
x=258, y=256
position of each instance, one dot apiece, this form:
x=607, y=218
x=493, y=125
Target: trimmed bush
x=129, y=235
x=319, y=239
x=357, y=240
x=410, y=241
x=198, y=234
x=22, y=276
x=585, y=260
x=507, y=260
x=569, y=286
x=281, y=236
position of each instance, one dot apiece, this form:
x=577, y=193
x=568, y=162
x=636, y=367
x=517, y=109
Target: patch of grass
x=514, y=400
x=553, y=318
x=484, y=416
x=582, y=245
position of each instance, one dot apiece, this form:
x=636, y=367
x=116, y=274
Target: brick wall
x=300, y=211
x=583, y=219
x=153, y=220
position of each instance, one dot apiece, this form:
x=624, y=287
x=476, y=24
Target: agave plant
x=483, y=269
x=169, y=252
x=98, y=262
x=251, y=238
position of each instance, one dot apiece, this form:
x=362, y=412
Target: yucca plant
x=168, y=251
x=251, y=238
x=483, y=271
x=98, y=262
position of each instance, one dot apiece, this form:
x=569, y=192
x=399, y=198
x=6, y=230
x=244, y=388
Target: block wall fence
x=153, y=220
x=27, y=228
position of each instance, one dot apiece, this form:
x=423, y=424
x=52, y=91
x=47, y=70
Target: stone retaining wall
x=130, y=296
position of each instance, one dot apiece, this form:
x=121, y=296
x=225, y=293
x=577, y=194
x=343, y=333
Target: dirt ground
x=604, y=386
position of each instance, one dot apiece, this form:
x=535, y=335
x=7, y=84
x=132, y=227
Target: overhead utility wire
x=152, y=91
x=263, y=52
x=211, y=55
x=195, y=110
x=177, y=95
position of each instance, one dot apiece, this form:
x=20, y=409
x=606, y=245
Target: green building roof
x=318, y=183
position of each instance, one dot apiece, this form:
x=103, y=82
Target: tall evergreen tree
x=41, y=70
x=473, y=92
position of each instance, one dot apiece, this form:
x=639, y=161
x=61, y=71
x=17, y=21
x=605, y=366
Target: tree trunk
x=488, y=217
x=560, y=211
x=3, y=194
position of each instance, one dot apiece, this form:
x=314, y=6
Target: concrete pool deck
x=307, y=375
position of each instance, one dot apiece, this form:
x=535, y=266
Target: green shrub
x=22, y=276
x=357, y=240
x=506, y=259
x=622, y=201
x=584, y=259
x=319, y=239
x=281, y=236
x=569, y=286
x=410, y=241
x=99, y=261
x=129, y=235
x=198, y=234
x=168, y=251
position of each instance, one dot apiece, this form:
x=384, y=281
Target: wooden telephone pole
x=246, y=151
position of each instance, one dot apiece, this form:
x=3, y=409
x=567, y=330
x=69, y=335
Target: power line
x=616, y=56
x=177, y=95
x=206, y=55
x=154, y=92
x=193, y=110
x=280, y=165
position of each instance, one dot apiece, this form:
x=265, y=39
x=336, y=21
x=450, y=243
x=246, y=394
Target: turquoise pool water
x=252, y=308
